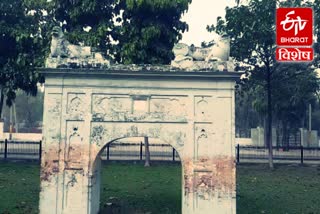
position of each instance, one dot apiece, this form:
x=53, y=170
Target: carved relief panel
x=75, y=106
x=139, y=108
x=103, y=132
x=169, y=108
x=73, y=185
x=110, y=107
x=203, y=140
x=74, y=147
x=203, y=108
x=203, y=186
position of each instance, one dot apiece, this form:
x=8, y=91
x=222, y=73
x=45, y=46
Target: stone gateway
x=85, y=109
x=89, y=103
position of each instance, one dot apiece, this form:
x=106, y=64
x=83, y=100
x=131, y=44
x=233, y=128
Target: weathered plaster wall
x=84, y=113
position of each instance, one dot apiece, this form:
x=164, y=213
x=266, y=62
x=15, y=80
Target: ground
x=132, y=188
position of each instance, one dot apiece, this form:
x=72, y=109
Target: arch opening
x=121, y=184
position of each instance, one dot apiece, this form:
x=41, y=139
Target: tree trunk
x=301, y=131
x=147, y=152
x=1, y=103
x=288, y=136
x=269, y=118
x=285, y=142
x=265, y=132
x=278, y=134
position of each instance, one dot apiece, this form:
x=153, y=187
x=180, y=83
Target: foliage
x=315, y=4
x=149, y=30
x=246, y=116
x=294, y=87
x=21, y=48
x=131, y=32
x=279, y=91
x=77, y=15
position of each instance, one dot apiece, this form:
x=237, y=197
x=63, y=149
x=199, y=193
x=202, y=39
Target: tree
x=246, y=116
x=251, y=28
x=130, y=31
x=297, y=85
x=149, y=30
x=85, y=21
x=316, y=12
x=21, y=49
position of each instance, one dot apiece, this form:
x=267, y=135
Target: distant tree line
x=27, y=117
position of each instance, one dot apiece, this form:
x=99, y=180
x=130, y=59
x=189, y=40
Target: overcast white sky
x=200, y=14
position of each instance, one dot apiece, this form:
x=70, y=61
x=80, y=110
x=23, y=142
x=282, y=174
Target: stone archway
x=192, y=111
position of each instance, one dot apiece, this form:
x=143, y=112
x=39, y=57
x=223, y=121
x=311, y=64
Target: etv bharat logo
x=298, y=24
x=295, y=31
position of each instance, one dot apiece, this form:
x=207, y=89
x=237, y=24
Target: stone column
x=209, y=176
x=50, y=169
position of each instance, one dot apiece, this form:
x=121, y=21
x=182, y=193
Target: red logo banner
x=294, y=54
x=294, y=26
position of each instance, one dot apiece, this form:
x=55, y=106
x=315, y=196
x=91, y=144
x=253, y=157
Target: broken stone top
x=214, y=57
x=63, y=54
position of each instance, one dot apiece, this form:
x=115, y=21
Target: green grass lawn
x=133, y=188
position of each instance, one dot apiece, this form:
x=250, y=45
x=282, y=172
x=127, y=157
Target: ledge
x=138, y=72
